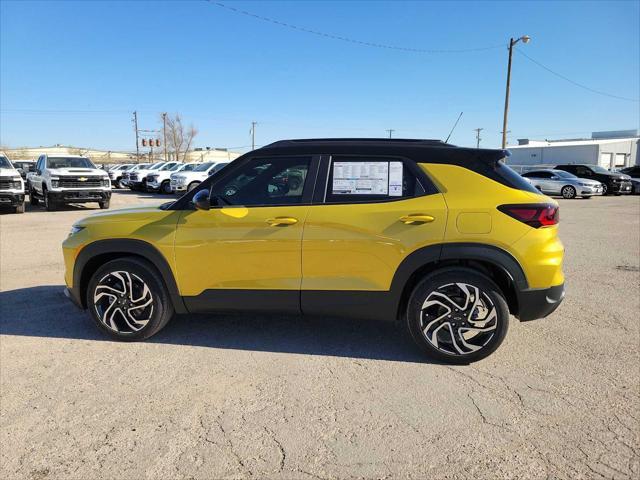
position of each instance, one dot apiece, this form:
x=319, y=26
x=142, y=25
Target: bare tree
x=179, y=137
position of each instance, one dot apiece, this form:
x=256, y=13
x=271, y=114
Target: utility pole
x=164, y=135
x=253, y=135
x=135, y=123
x=512, y=42
x=478, y=130
x=390, y=130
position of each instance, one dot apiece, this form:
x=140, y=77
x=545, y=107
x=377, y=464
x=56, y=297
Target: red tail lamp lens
x=536, y=215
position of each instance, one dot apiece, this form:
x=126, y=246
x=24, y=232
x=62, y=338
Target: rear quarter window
x=502, y=173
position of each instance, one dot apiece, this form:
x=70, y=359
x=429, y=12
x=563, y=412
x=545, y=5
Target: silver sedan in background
x=559, y=182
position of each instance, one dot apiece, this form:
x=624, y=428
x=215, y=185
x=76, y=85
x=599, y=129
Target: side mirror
x=201, y=200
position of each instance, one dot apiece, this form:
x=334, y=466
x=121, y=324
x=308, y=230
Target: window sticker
x=362, y=178
x=395, y=179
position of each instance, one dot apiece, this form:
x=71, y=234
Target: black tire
x=152, y=317
x=605, y=189
x=568, y=192
x=104, y=205
x=165, y=187
x=192, y=185
x=116, y=184
x=448, y=280
x=49, y=204
x=33, y=199
x=19, y=208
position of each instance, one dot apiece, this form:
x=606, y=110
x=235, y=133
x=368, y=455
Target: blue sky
x=71, y=72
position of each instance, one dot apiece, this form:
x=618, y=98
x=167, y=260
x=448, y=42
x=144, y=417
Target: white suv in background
x=63, y=179
x=11, y=186
x=187, y=181
x=160, y=181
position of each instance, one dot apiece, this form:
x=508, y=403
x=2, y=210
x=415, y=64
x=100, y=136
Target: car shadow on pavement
x=44, y=311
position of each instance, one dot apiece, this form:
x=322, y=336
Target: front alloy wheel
x=568, y=192
x=127, y=299
x=123, y=302
x=458, y=316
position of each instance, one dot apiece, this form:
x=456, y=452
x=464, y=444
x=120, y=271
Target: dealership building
x=615, y=149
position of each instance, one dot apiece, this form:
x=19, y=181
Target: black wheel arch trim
x=487, y=253
x=125, y=246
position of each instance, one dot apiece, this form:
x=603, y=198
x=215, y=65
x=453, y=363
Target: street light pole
x=512, y=42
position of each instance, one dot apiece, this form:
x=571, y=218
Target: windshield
x=167, y=166
x=203, y=167
x=176, y=167
x=4, y=162
x=562, y=173
x=156, y=166
x=599, y=169
x=69, y=162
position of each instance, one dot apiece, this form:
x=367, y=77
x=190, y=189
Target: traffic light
x=144, y=142
x=157, y=142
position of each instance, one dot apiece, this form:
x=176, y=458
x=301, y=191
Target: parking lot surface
x=275, y=397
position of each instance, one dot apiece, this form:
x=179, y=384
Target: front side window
x=69, y=162
x=264, y=181
x=358, y=179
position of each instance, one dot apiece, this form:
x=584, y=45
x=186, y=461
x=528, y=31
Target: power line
x=566, y=79
x=348, y=39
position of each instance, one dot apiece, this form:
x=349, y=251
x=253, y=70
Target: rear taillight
x=536, y=215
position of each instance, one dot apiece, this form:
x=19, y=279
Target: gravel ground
x=238, y=397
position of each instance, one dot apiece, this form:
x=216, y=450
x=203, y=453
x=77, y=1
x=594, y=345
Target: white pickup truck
x=68, y=179
x=160, y=180
x=186, y=181
x=11, y=186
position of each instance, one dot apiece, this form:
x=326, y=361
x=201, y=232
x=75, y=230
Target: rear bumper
x=74, y=296
x=79, y=196
x=535, y=304
x=11, y=199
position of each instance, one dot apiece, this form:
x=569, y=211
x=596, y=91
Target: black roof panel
x=362, y=141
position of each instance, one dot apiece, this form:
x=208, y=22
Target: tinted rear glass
x=504, y=174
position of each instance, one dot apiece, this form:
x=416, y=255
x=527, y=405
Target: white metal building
x=616, y=149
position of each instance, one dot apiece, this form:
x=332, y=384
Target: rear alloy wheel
x=457, y=316
x=127, y=299
x=568, y=192
x=166, y=187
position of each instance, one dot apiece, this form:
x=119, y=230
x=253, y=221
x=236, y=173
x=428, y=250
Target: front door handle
x=416, y=219
x=281, y=221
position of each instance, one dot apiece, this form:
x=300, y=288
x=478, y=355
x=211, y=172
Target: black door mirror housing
x=201, y=200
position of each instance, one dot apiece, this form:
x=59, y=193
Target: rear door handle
x=281, y=221
x=416, y=219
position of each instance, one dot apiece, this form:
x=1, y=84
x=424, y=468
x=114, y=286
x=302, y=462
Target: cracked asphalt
x=284, y=398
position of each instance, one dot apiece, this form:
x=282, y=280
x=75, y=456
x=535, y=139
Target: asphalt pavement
x=287, y=397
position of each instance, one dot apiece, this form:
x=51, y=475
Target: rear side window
x=374, y=179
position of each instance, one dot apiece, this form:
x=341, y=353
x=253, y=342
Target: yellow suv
x=445, y=240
